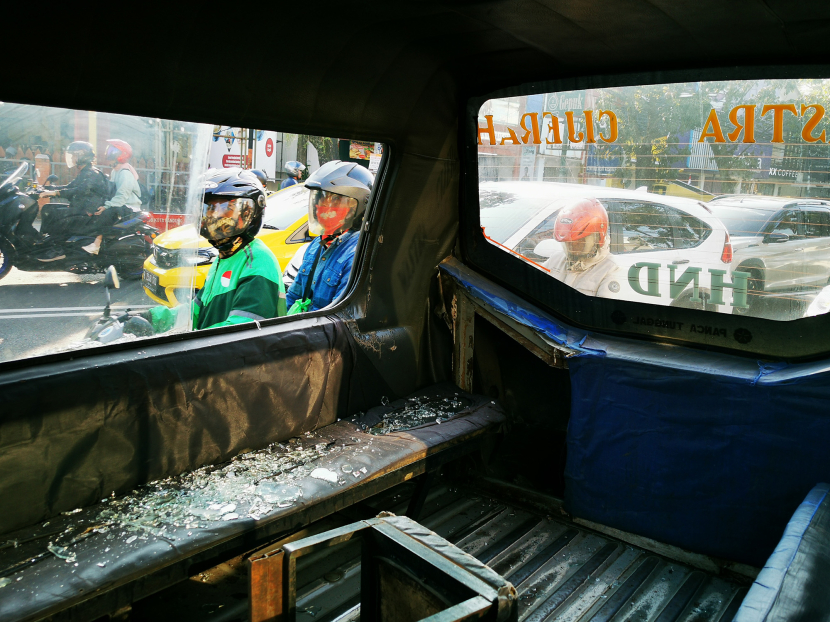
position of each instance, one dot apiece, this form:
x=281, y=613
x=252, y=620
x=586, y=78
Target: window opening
x=667, y=194
x=205, y=226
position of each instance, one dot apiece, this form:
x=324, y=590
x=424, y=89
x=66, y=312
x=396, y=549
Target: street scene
x=689, y=195
x=52, y=312
x=81, y=192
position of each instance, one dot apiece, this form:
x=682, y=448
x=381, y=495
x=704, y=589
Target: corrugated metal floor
x=562, y=571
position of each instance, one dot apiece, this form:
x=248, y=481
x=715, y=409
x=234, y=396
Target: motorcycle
x=108, y=328
x=125, y=245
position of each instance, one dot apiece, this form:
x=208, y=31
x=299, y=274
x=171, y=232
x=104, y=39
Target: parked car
x=674, y=232
x=783, y=243
x=170, y=275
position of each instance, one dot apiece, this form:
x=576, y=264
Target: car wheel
x=6, y=257
x=754, y=291
x=130, y=268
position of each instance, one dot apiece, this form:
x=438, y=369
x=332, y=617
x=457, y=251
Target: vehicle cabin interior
x=461, y=435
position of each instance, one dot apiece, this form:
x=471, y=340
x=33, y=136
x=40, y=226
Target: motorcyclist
x=261, y=176
x=87, y=193
x=586, y=260
x=337, y=202
x=245, y=282
x=127, y=191
x=295, y=172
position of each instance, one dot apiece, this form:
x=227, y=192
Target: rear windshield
x=619, y=193
x=741, y=221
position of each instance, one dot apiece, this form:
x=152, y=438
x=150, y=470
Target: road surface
x=46, y=312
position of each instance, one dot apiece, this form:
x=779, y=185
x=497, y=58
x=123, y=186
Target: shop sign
x=780, y=172
x=745, y=126
x=534, y=126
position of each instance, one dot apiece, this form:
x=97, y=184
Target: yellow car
x=167, y=278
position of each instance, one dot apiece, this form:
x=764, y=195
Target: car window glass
x=543, y=231
x=86, y=190
x=644, y=227
x=283, y=209
x=688, y=230
x=652, y=193
x=787, y=224
x=816, y=223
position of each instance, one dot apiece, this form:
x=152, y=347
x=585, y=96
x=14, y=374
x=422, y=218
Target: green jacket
x=242, y=288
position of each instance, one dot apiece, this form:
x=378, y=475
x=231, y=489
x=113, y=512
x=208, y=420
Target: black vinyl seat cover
x=103, y=561
x=795, y=582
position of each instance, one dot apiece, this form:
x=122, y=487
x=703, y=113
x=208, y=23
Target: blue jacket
x=288, y=182
x=331, y=274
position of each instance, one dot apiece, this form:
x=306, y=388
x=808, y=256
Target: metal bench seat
x=92, y=561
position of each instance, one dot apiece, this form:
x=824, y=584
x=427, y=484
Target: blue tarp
x=708, y=460
x=793, y=584
x=702, y=450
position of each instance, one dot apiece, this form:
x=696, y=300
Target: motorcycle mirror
x=111, y=278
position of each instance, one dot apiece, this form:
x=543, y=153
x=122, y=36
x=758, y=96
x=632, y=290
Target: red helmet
x=119, y=149
x=579, y=220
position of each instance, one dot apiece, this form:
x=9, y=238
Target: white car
x=659, y=245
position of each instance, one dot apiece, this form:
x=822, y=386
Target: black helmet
x=79, y=153
x=294, y=168
x=232, y=209
x=338, y=198
x=261, y=176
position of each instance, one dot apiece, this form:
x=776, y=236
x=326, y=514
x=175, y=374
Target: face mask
x=329, y=213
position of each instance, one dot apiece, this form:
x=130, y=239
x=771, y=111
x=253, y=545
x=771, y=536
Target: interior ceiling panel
x=371, y=69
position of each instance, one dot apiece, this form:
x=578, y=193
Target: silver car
x=783, y=243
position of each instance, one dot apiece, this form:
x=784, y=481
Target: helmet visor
x=583, y=247
x=224, y=218
x=112, y=152
x=330, y=213
x=70, y=159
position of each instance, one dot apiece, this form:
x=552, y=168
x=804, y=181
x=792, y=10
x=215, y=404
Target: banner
x=265, y=152
x=226, y=147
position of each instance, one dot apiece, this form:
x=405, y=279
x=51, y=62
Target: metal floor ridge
x=562, y=571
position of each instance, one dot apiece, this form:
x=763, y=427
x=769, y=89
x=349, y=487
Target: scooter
x=108, y=328
x=125, y=245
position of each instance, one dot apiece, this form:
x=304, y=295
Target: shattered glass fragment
x=61, y=552
x=253, y=484
x=325, y=475
x=419, y=411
